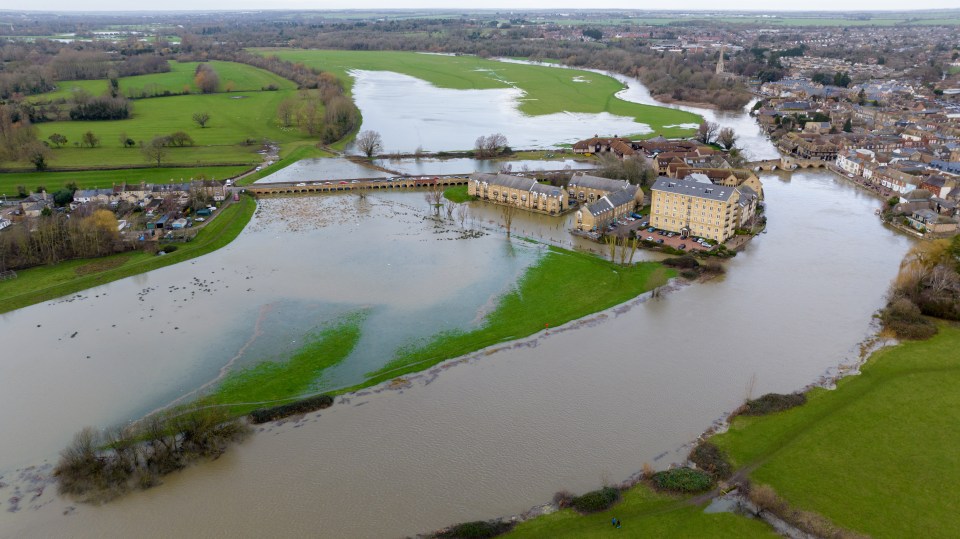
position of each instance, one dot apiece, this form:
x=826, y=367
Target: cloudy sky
x=806, y=5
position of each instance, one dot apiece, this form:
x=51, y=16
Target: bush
x=902, y=317
x=685, y=261
x=304, y=406
x=477, y=528
x=563, y=499
x=597, y=500
x=689, y=274
x=712, y=460
x=772, y=403
x=169, y=248
x=683, y=480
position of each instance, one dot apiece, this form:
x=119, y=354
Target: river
x=493, y=434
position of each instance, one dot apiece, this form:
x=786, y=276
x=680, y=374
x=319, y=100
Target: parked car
x=660, y=240
x=651, y=229
x=343, y=183
x=683, y=246
x=649, y=238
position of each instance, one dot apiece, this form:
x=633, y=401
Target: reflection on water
x=410, y=113
x=567, y=409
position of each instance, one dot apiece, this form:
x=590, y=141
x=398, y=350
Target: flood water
x=410, y=113
x=469, y=166
x=320, y=169
x=490, y=435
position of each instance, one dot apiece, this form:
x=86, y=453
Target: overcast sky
x=232, y=5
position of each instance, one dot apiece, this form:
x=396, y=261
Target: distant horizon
x=694, y=6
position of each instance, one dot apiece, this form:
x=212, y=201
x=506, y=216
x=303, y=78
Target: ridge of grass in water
x=278, y=381
x=562, y=286
x=458, y=194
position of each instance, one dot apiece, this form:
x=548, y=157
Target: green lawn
x=180, y=77
x=458, y=194
x=44, y=283
x=643, y=513
x=270, y=382
x=88, y=179
x=533, y=304
x=877, y=455
x=549, y=90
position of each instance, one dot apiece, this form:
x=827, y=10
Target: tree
x=201, y=118
x=848, y=126
x=842, y=79
x=206, y=78
x=180, y=138
x=39, y=154
x=155, y=151
x=727, y=138
x=90, y=140
x=491, y=145
x=369, y=142
x=707, y=132
x=507, y=211
x=57, y=139
x=285, y=112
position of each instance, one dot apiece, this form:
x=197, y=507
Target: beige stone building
x=523, y=192
x=586, y=189
x=694, y=206
x=609, y=208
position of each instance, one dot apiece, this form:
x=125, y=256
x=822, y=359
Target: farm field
x=876, y=455
x=240, y=121
x=548, y=90
x=243, y=78
x=89, y=179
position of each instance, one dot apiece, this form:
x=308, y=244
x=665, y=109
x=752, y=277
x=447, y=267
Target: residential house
x=525, y=193
x=585, y=189
x=608, y=208
x=621, y=147
x=928, y=220
x=95, y=196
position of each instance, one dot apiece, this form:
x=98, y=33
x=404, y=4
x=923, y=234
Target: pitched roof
x=596, y=182
x=693, y=188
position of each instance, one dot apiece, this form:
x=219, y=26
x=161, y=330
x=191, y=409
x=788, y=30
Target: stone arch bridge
x=787, y=163
x=369, y=184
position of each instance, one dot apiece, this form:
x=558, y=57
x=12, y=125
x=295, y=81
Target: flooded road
x=489, y=435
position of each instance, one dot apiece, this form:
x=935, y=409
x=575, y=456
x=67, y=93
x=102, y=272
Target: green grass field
x=44, y=283
x=458, y=194
x=878, y=454
x=244, y=78
x=89, y=179
x=272, y=382
x=534, y=304
x=549, y=90
x=643, y=513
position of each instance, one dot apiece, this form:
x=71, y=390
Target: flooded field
x=322, y=169
x=469, y=166
x=569, y=408
x=411, y=113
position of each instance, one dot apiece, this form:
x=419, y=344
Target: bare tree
x=462, y=212
x=369, y=142
x=201, y=118
x=285, y=112
x=449, y=206
x=206, y=78
x=507, y=212
x=727, y=138
x=155, y=151
x=434, y=196
x=707, y=132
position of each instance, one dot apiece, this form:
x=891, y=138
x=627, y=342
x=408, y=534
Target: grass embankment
x=88, y=179
x=548, y=90
x=270, y=382
x=44, y=283
x=643, y=513
x=458, y=194
x=876, y=455
x=545, y=295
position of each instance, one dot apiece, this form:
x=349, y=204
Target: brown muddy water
x=489, y=435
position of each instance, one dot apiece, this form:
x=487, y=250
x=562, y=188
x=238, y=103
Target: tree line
x=53, y=238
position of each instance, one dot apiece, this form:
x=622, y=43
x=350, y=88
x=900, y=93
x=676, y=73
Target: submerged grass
x=270, y=382
x=44, y=283
x=878, y=454
x=548, y=295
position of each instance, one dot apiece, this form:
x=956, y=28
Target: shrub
x=169, y=248
x=477, y=528
x=689, y=274
x=711, y=459
x=902, y=317
x=311, y=404
x=683, y=480
x=597, y=500
x=772, y=403
x=685, y=261
x=562, y=499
